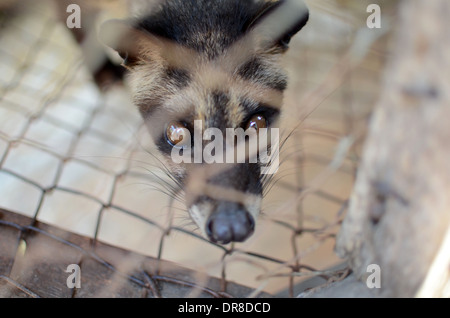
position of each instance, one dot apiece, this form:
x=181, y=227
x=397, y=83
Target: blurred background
x=73, y=153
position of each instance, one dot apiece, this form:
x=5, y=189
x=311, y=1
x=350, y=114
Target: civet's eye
x=256, y=122
x=177, y=134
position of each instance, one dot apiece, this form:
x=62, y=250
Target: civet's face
x=200, y=70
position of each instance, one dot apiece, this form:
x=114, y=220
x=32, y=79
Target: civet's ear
x=135, y=44
x=128, y=41
x=121, y=37
x=277, y=22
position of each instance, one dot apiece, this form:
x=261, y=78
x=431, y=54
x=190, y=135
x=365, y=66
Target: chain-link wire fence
x=75, y=157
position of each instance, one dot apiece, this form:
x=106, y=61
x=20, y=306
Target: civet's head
x=196, y=69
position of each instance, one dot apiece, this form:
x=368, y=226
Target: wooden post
x=400, y=207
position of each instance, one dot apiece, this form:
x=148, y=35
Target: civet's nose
x=230, y=222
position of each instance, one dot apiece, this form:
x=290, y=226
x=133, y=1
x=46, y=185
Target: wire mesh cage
x=81, y=182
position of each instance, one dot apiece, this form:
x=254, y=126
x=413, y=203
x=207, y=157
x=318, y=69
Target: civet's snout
x=230, y=222
x=226, y=206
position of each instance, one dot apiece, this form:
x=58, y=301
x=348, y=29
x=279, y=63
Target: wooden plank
x=38, y=267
